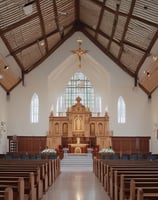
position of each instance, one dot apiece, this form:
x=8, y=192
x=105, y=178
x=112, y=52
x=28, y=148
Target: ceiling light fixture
x=42, y=43
x=6, y=67
x=155, y=58
x=79, y=52
x=148, y=74
x=28, y=8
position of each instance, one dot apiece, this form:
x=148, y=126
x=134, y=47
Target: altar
x=79, y=129
x=77, y=147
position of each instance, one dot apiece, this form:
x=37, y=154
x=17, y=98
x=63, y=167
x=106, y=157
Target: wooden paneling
x=131, y=145
x=121, y=145
x=30, y=144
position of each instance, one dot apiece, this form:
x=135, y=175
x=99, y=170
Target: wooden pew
x=109, y=178
x=6, y=194
x=128, y=165
x=19, y=172
x=115, y=183
x=147, y=193
x=30, y=165
x=128, y=183
x=29, y=184
x=109, y=173
x=45, y=171
x=135, y=184
x=44, y=164
x=17, y=187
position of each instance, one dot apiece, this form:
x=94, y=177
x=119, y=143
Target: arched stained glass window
x=78, y=85
x=34, y=108
x=121, y=106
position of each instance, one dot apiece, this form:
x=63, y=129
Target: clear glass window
x=35, y=108
x=121, y=110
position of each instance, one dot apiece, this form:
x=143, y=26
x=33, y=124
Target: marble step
x=77, y=160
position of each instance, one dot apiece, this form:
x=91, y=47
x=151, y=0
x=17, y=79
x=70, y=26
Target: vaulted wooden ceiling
x=125, y=30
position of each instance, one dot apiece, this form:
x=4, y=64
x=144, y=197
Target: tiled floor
x=76, y=185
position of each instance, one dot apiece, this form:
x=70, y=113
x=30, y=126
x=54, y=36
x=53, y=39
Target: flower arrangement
x=106, y=152
x=49, y=151
x=46, y=153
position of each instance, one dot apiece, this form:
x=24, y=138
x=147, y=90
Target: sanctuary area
x=78, y=129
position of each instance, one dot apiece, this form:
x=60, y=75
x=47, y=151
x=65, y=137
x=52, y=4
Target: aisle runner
x=77, y=162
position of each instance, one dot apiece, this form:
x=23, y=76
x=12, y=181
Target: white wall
x=154, y=133
x=3, y=118
x=117, y=83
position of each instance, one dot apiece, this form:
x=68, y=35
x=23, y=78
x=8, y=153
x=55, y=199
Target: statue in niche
x=65, y=129
x=92, y=129
x=56, y=128
x=78, y=124
x=100, y=128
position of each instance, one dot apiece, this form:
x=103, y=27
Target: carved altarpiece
x=78, y=123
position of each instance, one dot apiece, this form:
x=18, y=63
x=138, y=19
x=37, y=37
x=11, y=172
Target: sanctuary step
x=77, y=162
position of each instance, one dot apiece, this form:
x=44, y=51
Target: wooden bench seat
x=107, y=165
x=37, y=181
x=146, y=183
x=17, y=187
x=6, y=193
x=45, y=172
x=25, y=165
x=127, y=186
x=50, y=168
x=30, y=189
x=110, y=173
x=115, y=182
x=147, y=193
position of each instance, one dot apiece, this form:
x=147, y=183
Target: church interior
x=78, y=78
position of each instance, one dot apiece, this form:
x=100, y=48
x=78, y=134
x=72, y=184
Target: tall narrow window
x=121, y=106
x=34, y=108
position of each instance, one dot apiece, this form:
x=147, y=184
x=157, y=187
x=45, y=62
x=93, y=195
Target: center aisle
x=76, y=186
x=76, y=181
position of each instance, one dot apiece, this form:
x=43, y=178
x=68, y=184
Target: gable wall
x=139, y=116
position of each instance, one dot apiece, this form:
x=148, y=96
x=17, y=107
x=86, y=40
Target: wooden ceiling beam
x=126, y=28
x=147, y=51
x=57, y=18
x=34, y=42
x=126, y=15
x=77, y=9
x=19, y=23
x=100, y=18
x=10, y=50
x=114, y=26
x=71, y=32
x=124, y=68
x=42, y=24
x=134, y=46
